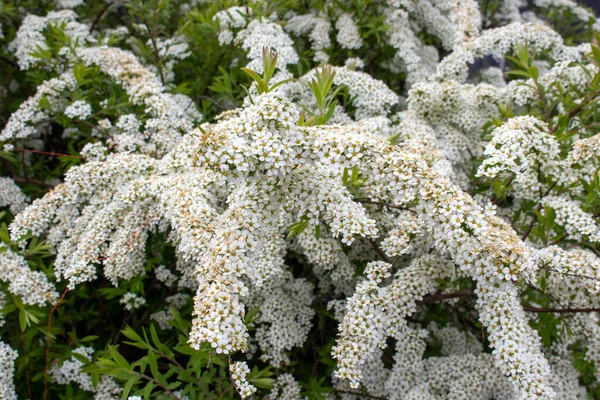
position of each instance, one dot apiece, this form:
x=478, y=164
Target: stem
x=9, y=62
x=531, y=223
x=48, y=336
x=99, y=16
x=126, y=319
x=157, y=383
x=560, y=310
x=153, y=36
x=497, y=199
x=436, y=298
x=33, y=181
x=576, y=110
x=539, y=208
x=49, y=153
x=26, y=365
x=382, y=204
x=354, y=393
x=569, y=274
x=380, y=252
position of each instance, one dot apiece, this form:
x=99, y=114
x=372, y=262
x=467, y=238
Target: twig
x=49, y=153
x=568, y=274
x=497, y=199
x=531, y=223
x=153, y=36
x=366, y=395
x=560, y=310
x=436, y=298
x=48, y=335
x=123, y=324
x=579, y=107
x=380, y=252
x=99, y=16
x=382, y=204
x=538, y=208
x=215, y=102
x=26, y=365
x=33, y=181
x=9, y=62
x=157, y=383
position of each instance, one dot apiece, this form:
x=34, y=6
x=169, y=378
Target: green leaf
x=520, y=73
x=148, y=390
x=160, y=346
x=354, y=175
x=23, y=321
x=131, y=334
x=248, y=94
x=281, y=83
x=253, y=75
x=128, y=385
x=250, y=315
x=4, y=234
x=81, y=358
x=263, y=383
x=119, y=359
x=345, y=177
x=153, y=364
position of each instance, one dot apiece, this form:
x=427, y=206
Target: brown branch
x=538, y=208
x=574, y=245
x=26, y=365
x=215, y=102
x=497, y=199
x=9, y=62
x=48, y=335
x=99, y=16
x=380, y=252
x=33, y=181
x=576, y=110
x=49, y=153
x=364, y=200
x=531, y=223
x=569, y=274
x=366, y=395
x=560, y=310
x=437, y=297
x=92, y=126
x=153, y=36
x=157, y=383
x=156, y=53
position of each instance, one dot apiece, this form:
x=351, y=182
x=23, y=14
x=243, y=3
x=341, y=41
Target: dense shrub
x=299, y=200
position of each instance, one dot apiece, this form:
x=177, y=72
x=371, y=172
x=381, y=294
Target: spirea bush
x=294, y=200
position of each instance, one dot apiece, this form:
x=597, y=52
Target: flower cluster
x=79, y=109
x=522, y=147
x=7, y=359
x=31, y=286
x=11, y=195
x=132, y=301
x=71, y=371
x=239, y=370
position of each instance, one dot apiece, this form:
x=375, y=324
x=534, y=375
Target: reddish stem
x=48, y=342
